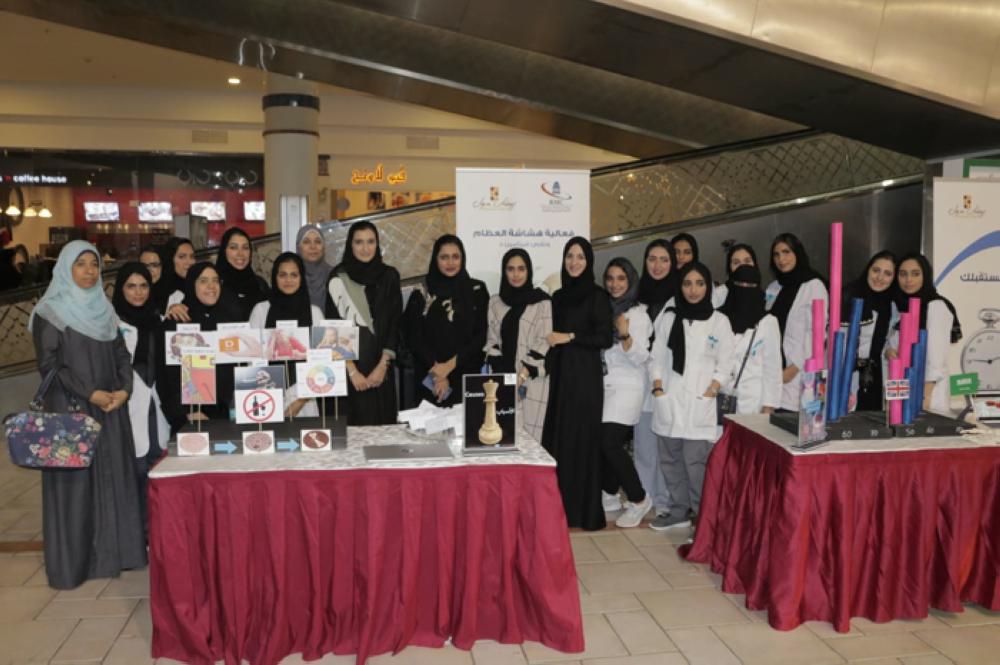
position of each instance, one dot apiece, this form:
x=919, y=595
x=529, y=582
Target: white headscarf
x=64, y=304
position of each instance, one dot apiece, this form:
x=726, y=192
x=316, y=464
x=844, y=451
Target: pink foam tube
x=817, y=333
x=914, y=312
x=905, y=339
x=836, y=274
x=896, y=406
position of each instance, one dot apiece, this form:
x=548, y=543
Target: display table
x=881, y=529
x=258, y=557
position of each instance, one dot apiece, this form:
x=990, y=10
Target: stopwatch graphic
x=981, y=353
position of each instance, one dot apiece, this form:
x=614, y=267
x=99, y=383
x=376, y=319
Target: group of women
x=642, y=358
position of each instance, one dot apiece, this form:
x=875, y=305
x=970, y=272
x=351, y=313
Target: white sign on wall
x=966, y=261
x=537, y=210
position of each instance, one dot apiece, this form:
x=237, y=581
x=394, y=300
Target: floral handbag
x=42, y=440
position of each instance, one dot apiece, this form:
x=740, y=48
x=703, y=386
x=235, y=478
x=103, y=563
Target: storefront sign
x=378, y=175
x=34, y=179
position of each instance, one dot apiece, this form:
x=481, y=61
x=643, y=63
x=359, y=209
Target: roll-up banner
x=535, y=209
x=966, y=261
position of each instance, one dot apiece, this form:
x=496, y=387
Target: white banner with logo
x=966, y=261
x=538, y=210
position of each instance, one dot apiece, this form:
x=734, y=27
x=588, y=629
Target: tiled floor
x=642, y=606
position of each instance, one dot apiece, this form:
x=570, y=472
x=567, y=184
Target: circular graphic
x=315, y=439
x=320, y=380
x=192, y=443
x=257, y=442
x=258, y=406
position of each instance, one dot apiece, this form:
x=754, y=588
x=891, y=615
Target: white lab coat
x=719, y=294
x=139, y=400
x=683, y=412
x=647, y=405
x=939, y=323
x=625, y=381
x=866, y=334
x=760, y=383
x=797, y=342
x=258, y=319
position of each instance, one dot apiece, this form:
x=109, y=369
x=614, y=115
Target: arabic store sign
x=378, y=175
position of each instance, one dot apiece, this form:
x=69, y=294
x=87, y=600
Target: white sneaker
x=611, y=502
x=634, y=512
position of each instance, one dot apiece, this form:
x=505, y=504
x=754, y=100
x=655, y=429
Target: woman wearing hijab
x=937, y=317
x=139, y=324
x=657, y=288
x=876, y=286
x=685, y=249
x=737, y=255
x=445, y=324
x=691, y=357
x=312, y=248
x=205, y=307
x=242, y=288
x=364, y=290
x=756, y=359
x=13, y=262
x=582, y=328
x=289, y=301
x=176, y=258
x=624, y=394
x=519, y=320
x=91, y=519
x=789, y=298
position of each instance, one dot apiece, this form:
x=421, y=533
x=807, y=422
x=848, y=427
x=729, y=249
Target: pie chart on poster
x=320, y=380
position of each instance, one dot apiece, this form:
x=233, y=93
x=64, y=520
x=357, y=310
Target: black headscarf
x=623, y=304
x=365, y=274
x=654, y=293
x=729, y=257
x=207, y=316
x=241, y=283
x=790, y=281
x=170, y=281
x=699, y=311
x=449, y=315
x=875, y=302
x=689, y=239
x=11, y=277
x=518, y=299
x=284, y=307
x=927, y=294
x=145, y=319
x=744, y=304
x=575, y=289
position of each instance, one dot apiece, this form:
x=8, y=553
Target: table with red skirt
x=258, y=557
x=880, y=529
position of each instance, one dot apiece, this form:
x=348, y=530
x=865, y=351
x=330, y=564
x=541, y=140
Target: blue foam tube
x=850, y=355
x=836, y=367
x=920, y=353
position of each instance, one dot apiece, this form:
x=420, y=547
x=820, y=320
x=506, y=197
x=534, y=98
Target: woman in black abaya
x=581, y=313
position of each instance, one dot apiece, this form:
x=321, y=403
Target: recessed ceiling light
x=232, y=80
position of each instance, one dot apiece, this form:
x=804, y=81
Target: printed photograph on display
x=286, y=343
x=197, y=377
x=321, y=379
x=263, y=377
x=341, y=337
x=316, y=440
x=176, y=340
x=488, y=402
x=254, y=407
x=987, y=408
x=192, y=443
x=258, y=443
x=237, y=343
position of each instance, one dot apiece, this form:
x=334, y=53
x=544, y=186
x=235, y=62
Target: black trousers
x=619, y=470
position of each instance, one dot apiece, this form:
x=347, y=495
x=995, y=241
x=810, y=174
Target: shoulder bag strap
x=745, y=356
x=36, y=403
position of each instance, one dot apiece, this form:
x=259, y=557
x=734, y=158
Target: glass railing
x=627, y=201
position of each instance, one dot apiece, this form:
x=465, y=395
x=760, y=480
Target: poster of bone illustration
x=286, y=343
x=341, y=337
x=197, y=376
x=237, y=343
x=488, y=406
x=186, y=336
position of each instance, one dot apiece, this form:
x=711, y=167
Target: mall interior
x=126, y=123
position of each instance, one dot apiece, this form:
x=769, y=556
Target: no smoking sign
x=259, y=406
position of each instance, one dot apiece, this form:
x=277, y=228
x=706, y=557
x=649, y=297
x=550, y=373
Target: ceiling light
x=12, y=211
x=888, y=183
x=30, y=212
x=45, y=212
x=233, y=80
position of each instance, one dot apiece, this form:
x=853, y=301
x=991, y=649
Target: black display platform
x=871, y=425
x=226, y=437
x=932, y=424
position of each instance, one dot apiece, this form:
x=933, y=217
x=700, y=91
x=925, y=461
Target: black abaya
x=572, y=431
x=92, y=523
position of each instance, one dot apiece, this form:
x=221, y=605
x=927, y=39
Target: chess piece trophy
x=490, y=433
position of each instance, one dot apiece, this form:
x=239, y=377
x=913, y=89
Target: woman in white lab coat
x=691, y=358
x=937, y=317
x=139, y=323
x=876, y=288
x=624, y=391
x=657, y=288
x=756, y=345
x=789, y=298
x=737, y=255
